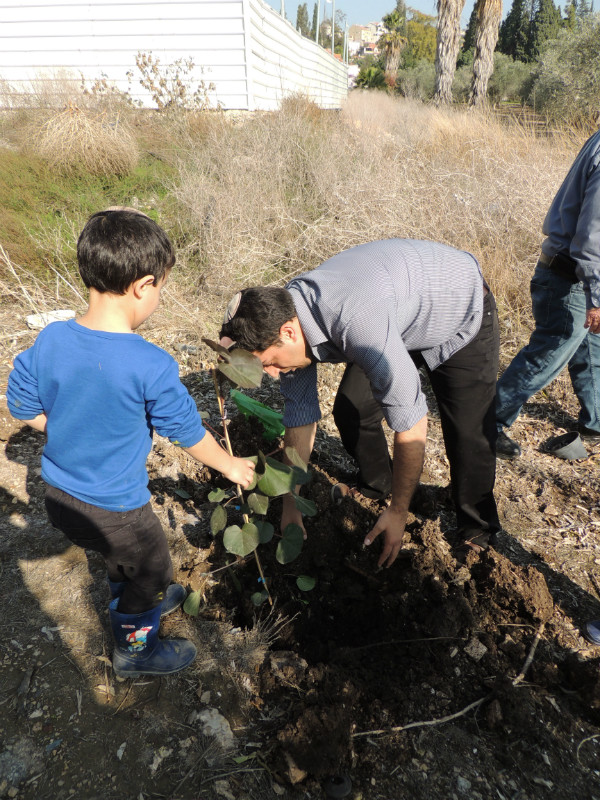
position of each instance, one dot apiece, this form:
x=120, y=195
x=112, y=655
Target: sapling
x=272, y=479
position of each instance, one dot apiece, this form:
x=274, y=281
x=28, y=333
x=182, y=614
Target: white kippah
x=232, y=308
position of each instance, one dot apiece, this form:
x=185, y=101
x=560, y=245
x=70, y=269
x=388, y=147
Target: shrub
x=371, y=77
x=566, y=83
x=77, y=140
x=418, y=82
x=509, y=80
x=174, y=86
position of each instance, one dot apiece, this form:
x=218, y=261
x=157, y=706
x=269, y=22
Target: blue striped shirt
x=373, y=304
x=572, y=224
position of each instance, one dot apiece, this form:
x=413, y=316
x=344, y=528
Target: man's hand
x=291, y=514
x=392, y=524
x=240, y=471
x=592, y=320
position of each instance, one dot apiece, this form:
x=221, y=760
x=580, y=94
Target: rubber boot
x=139, y=651
x=174, y=596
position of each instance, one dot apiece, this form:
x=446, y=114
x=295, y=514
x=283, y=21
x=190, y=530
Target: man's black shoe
x=589, y=435
x=506, y=447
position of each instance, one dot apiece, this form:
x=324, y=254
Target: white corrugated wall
x=250, y=53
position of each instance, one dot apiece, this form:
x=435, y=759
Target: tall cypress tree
x=514, y=31
x=545, y=25
x=471, y=31
x=313, y=29
x=302, y=23
x=570, y=20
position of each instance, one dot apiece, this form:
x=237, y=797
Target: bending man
x=387, y=308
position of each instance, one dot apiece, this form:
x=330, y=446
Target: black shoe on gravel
x=506, y=447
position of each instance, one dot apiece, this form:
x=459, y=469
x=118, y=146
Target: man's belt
x=561, y=264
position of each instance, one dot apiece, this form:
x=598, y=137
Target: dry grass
x=262, y=197
x=277, y=195
x=78, y=140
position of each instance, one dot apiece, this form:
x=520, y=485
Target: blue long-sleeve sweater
x=103, y=394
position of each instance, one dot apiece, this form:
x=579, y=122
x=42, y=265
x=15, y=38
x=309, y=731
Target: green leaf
x=270, y=419
x=258, y=503
x=217, y=495
x=278, y=478
x=258, y=598
x=241, y=541
x=295, y=459
x=306, y=507
x=192, y=604
x=300, y=477
x=182, y=493
x=218, y=520
x=290, y=545
x=305, y=583
x=239, y=366
x=218, y=348
x=265, y=530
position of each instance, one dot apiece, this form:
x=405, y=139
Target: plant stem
x=221, y=402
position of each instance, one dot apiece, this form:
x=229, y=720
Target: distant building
x=362, y=39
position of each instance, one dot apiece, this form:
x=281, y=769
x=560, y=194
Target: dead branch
x=426, y=723
x=530, y=655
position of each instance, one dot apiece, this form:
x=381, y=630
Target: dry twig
x=530, y=655
x=426, y=723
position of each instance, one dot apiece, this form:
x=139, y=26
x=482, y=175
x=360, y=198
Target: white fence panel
x=247, y=50
x=282, y=62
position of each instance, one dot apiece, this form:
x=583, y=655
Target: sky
x=359, y=12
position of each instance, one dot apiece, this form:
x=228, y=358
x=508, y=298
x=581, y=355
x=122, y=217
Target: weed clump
x=80, y=141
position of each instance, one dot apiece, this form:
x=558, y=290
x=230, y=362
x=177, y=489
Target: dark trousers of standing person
x=465, y=390
x=132, y=543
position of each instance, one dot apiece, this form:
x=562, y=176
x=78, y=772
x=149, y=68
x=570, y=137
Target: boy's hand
x=240, y=471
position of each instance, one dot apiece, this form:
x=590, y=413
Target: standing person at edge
x=97, y=390
x=386, y=308
x=565, y=297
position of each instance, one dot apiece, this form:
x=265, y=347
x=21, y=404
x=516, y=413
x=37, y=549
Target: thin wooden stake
x=221, y=401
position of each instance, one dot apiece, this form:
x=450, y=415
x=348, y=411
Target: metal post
x=283, y=8
x=333, y=29
x=318, y=20
x=345, y=56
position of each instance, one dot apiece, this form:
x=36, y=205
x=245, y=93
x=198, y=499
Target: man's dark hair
x=118, y=247
x=262, y=311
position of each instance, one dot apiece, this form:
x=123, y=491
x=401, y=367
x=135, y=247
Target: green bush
x=510, y=80
x=417, y=82
x=566, y=81
x=371, y=77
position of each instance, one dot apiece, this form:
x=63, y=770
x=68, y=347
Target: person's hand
x=291, y=514
x=592, y=320
x=241, y=471
x=392, y=524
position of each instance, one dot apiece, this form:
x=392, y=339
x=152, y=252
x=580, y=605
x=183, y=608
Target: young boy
x=98, y=390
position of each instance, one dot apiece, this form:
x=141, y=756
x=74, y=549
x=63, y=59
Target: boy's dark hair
x=254, y=322
x=118, y=247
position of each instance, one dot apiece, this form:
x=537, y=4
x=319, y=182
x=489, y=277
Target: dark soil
x=428, y=679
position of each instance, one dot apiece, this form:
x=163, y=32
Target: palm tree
x=448, y=43
x=393, y=43
x=489, y=16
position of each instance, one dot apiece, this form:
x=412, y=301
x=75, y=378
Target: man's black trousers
x=465, y=390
